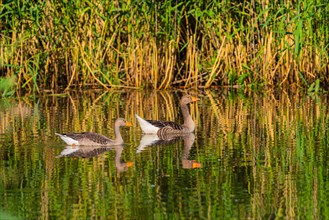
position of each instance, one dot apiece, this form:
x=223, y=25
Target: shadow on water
x=256, y=156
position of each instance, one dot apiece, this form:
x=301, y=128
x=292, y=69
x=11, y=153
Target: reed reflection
x=13, y=114
x=264, y=155
x=149, y=140
x=94, y=151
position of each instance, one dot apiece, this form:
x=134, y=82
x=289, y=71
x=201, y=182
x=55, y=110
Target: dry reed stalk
x=191, y=66
x=240, y=56
x=268, y=58
x=74, y=66
x=168, y=61
x=154, y=64
x=217, y=65
x=138, y=65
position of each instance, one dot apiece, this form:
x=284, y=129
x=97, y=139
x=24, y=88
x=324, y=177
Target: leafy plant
x=7, y=85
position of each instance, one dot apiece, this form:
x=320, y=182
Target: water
x=252, y=156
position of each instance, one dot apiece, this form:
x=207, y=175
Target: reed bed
x=57, y=45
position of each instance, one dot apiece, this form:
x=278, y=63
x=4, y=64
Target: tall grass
x=57, y=45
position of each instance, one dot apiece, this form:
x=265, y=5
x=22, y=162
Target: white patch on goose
x=146, y=126
x=68, y=140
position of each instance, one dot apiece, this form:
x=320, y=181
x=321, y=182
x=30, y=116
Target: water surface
x=252, y=156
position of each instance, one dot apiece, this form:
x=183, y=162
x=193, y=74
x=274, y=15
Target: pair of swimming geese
x=148, y=127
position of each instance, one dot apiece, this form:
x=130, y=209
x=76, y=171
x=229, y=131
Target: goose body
x=91, y=138
x=169, y=127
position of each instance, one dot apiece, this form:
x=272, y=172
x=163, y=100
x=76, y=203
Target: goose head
x=186, y=99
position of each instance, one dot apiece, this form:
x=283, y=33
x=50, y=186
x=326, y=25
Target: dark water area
x=251, y=156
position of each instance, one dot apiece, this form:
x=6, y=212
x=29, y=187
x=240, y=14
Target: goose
x=94, y=151
x=186, y=163
x=91, y=138
x=149, y=140
x=167, y=127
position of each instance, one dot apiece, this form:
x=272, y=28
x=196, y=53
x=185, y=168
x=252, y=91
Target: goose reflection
x=93, y=151
x=149, y=140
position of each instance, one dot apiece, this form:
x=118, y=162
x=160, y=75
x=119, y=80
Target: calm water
x=252, y=156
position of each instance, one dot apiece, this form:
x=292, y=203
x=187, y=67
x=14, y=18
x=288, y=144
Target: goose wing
x=162, y=124
x=89, y=137
x=153, y=126
x=97, y=138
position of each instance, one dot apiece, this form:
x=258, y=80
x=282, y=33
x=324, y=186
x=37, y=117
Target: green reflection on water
x=251, y=157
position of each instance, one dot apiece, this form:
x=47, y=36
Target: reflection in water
x=188, y=142
x=11, y=111
x=263, y=156
x=165, y=139
x=93, y=151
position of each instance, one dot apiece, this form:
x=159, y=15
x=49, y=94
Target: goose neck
x=118, y=138
x=188, y=122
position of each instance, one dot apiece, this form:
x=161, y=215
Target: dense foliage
x=160, y=44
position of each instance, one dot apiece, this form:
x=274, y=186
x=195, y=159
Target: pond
x=258, y=156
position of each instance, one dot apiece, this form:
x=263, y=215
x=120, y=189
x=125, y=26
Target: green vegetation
x=52, y=45
x=7, y=85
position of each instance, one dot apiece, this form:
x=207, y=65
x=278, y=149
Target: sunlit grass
x=52, y=45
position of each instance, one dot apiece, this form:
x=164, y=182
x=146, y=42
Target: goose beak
x=129, y=163
x=194, y=99
x=129, y=124
x=191, y=164
x=196, y=164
